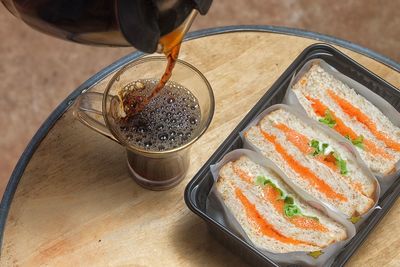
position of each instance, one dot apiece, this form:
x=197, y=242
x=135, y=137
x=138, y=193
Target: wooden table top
x=76, y=205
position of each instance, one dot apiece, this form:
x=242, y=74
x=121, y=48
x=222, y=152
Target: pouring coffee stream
x=133, y=104
x=169, y=45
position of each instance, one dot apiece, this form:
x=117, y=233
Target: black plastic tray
x=198, y=188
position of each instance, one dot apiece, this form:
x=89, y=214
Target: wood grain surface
x=76, y=204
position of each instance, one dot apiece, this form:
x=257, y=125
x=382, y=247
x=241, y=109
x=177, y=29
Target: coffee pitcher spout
x=172, y=39
x=162, y=20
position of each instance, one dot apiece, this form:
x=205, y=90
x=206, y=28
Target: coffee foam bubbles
x=169, y=121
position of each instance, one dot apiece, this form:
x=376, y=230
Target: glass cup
x=155, y=170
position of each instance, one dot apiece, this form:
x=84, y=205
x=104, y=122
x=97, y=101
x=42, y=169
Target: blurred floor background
x=37, y=71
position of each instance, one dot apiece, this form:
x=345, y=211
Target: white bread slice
x=252, y=230
x=315, y=83
x=335, y=232
x=356, y=204
x=313, y=239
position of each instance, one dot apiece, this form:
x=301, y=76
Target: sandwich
x=273, y=216
x=314, y=162
x=338, y=106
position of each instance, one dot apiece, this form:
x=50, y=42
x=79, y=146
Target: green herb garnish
x=324, y=146
x=289, y=200
x=317, y=148
x=290, y=208
x=315, y=144
x=261, y=180
x=355, y=219
x=359, y=141
x=316, y=254
x=342, y=164
x=339, y=161
x=328, y=119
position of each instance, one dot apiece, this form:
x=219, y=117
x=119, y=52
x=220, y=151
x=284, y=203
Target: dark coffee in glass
x=158, y=137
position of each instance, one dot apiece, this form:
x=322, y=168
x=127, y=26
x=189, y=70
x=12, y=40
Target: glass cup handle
x=88, y=110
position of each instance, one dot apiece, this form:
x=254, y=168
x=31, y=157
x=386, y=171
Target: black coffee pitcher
x=138, y=23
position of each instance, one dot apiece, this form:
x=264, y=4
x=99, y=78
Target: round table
x=70, y=200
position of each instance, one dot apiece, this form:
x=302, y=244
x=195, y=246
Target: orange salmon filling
x=303, y=171
x=294, y=137
x=327, y=160
x=355, y=112
x=265, y=227
x=341, y=128
x=302, y=143
x=242, y=175
x=273, y=195
x=308, y=223
x=299, y=140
